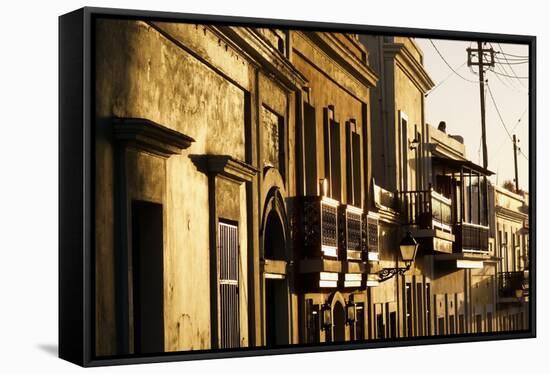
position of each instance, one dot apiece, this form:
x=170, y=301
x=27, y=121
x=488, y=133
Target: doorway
x=276, y=285
x=276, y=312
x=274, y=238
x=339, y=322
x=147, y=277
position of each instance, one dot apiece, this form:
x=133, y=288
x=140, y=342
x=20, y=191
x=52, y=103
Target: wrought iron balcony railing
x=325, y=228
x=513, y=284
x=471, y=237
x=351, y=232
x=318, y=226
x=427, y=210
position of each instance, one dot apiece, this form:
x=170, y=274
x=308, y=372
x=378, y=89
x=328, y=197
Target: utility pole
x=476, y=57
x=516, y=161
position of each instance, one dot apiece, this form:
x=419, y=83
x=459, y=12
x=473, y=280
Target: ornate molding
x=150, y=136
x=262, y=52
x=413, y=68
x=334, y=48
x=316, y=52
x=510, y=214
x=226, y=166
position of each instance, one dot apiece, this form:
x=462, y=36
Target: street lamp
x=408, y=248
x=326, y=315
x=350, y=313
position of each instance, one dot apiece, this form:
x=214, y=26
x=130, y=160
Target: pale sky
x=457, y=102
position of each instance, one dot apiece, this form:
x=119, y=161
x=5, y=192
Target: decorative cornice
x=410, y=65
x=150, y=136
x=507, y=213
x=337, y=52
x=261, y=51
x=509, y=194
x=226, y=166
x=215, y=56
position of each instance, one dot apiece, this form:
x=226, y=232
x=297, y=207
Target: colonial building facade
x=400, y=305
x=463, y=259
x=512, y=248
x=253, y=187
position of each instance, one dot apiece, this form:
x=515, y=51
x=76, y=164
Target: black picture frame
x=76, y=184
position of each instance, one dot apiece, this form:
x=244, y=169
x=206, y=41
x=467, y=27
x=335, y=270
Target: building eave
x=270, y=58
x=510, y=214
x=334, y=48
x=410, y=65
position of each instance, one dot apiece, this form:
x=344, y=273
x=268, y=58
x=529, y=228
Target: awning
x=458, y=164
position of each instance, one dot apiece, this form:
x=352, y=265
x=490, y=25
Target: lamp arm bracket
x=388, y=273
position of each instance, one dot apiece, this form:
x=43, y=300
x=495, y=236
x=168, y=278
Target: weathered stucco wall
x=511, y=218
x=331, y=83
x=408, y=100
x=142, y=73
x=483, y=286
x=325, y=92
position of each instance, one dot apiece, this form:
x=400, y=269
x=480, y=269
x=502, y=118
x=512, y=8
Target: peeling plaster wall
x=142, y=73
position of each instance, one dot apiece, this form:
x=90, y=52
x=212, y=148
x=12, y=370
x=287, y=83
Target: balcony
x=383, y=199
x=317, y=227
x=428, y=215
x=330, y=243
x=471, y=238
x=427, y=210
x=371, y=229
x=514, y=284
x=352, y=232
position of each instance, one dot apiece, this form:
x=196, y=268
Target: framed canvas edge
x=84, y=335
x=250, y=352
x=71, y=251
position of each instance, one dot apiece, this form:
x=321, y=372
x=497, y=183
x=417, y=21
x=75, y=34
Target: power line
x=445, y=79
x=523, y=154
x=498, y=112
x=504, y=56
x=510, y=59
x=511, y=68
x=504, y=70
x=509, y=76
x=512, y=63
x=509, y=54
x=511, y=83
x=448, y=65
x=502, y=121
x=520, y=118
x=515, y=126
